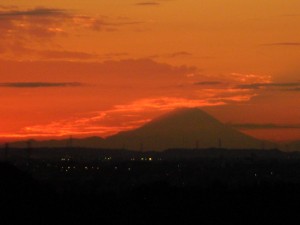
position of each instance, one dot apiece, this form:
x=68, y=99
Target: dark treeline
x=90, y=154
x=213, y=186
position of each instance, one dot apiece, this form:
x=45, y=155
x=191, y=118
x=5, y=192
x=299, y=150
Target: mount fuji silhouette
x=183, y=128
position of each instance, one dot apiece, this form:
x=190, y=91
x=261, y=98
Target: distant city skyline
x=75, y=68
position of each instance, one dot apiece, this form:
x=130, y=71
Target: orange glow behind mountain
x=74, y=68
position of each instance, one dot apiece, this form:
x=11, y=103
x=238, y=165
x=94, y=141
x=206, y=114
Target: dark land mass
x=180, y=186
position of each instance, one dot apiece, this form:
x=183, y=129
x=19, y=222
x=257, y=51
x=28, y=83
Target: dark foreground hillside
x=202, y=191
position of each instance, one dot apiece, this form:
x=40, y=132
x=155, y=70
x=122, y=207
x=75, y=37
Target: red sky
x=97, y=67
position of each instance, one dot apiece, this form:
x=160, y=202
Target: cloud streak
x=288, y=44
x=34, y=12
x=147, y=4
x=172, y=55
x=108, y=122
x=208, y=83
x=266, y=85
x=39, y=85
x=293, y=89
x=255, y=126
x=59, y=55
x=119, y=118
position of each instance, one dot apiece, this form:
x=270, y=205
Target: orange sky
x=96, y=67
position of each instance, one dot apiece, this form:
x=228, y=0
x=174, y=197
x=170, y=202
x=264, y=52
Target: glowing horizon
x=96, y=68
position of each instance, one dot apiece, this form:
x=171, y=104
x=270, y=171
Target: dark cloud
x=75, y=55
x=19, y=28
x=254, y=126
x=34, y=12
x=293, y=89
x=283, y=44
x=208, y=83
x=23, y=25
x=177, y=54
x=112, y=26
x=39, y=84
x=43, y=21
x=66, y=55
x=172, y=55
x=147, y=4
x=102, y=23
x=264, y=85
x=113, y=55
x=151, y=3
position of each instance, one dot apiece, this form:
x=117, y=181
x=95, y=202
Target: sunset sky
x=86, y=68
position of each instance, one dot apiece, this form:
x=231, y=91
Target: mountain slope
x=291, y=146
x=183, y=128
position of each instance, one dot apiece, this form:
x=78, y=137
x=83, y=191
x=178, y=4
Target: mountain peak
x=183, y=128
x=187, y=110
x=182, y=119
x=180, y=112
